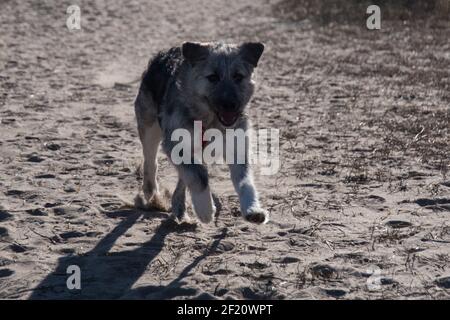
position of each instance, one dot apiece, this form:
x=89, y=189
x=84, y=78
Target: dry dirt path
x=356, y=192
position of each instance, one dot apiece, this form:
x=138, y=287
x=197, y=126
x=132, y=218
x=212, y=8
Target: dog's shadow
x=107, y=274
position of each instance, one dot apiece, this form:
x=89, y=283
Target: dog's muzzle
x=228, y=118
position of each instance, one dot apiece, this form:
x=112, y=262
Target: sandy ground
x=360, y=207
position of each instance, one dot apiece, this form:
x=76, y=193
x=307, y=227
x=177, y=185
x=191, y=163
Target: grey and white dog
x=207, y=82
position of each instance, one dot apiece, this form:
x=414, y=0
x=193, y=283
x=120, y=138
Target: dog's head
x=220, y=77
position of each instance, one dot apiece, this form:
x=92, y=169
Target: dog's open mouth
x=228, y=118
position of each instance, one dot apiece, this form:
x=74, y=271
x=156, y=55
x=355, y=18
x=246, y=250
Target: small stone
x=45, y=176
x=287, y=260
x=71, y=234
x=443, y=282
x=5, y=215
x=52, y=146
x=225, y=246
x=324, y=271
x=3, y=232
x=36, y=212
x=336, y=293
x=69, y=189
x=35, y=158
x=397, y=224
x=17, y=248
x=6, y=273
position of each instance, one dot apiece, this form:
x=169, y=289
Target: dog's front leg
x=195, y=177
x=248, y=197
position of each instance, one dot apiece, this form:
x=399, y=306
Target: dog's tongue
x=228, y=118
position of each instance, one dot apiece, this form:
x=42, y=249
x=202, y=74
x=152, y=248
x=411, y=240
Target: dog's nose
x=227, y=98
x=229, y=105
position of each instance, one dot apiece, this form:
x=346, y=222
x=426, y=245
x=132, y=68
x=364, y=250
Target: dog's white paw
x=204, y=206
x=181, y=218
x=257, y=215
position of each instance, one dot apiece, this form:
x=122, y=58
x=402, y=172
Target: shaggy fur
x=207, y=82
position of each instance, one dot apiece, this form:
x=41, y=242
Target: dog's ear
x=251, y=52
x=194, y=51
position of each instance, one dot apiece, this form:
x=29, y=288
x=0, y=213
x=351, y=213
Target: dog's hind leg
x=195, y=177
x=151, y=138
x=179, y=201
x=150, y=135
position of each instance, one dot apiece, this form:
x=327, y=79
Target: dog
x=207, y=82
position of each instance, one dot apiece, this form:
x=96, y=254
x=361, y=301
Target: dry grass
x=338, y=11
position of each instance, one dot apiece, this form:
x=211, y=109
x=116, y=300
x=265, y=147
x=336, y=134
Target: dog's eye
x=238, y=77
x=213, y=78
